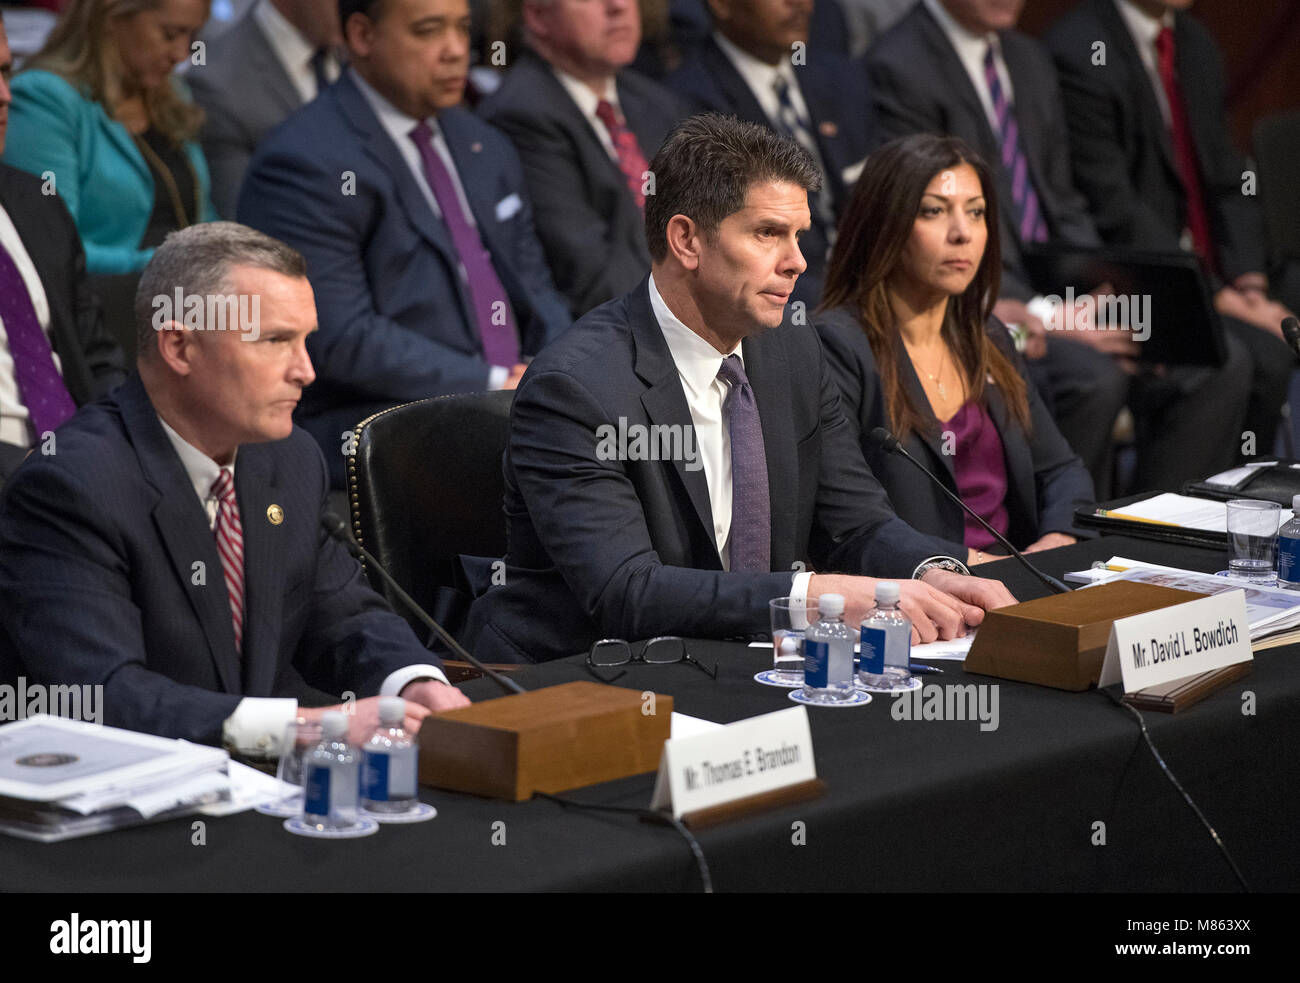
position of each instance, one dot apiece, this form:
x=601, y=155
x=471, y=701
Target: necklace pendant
x=942, y=393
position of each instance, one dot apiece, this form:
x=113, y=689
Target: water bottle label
x=1288, y=559
x=816, y=663
x=873, y=651
x=316, y=791
x=374, y=785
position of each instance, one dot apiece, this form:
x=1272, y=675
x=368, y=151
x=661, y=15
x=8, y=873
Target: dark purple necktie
x=751, y=510
x=496, y=321
x=1029, y=218
x=39, y=383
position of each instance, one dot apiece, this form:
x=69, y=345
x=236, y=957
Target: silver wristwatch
x=939, y=563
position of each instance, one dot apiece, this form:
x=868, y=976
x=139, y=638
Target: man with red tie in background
x=55, y=352
x=585, y=127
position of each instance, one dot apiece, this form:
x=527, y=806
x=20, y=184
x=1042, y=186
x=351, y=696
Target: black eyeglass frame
x=660, y=640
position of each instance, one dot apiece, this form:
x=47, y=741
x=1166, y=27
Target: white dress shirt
x=761, y=79
x=398, y=126
x=259, y=722
x=587, y=101
x=697, y=364
x=1144, y=31
x=293, y=50
x=14, y=420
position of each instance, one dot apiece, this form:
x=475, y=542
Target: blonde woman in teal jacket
x=100, y=115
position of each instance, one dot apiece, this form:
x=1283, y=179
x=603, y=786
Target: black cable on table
x=650, y=815
x=1214, y=835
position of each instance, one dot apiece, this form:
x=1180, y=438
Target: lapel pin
x=828, y=129
x=476, y=147
x=275, y=514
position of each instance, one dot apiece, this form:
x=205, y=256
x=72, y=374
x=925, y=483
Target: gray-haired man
x=169, y=546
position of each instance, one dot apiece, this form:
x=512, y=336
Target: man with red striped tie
x=169, y=548
x=585, y=126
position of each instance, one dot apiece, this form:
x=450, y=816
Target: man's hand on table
x=939, y=606
x=423, y=697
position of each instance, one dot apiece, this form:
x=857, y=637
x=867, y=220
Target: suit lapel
x=380, y=148
x=765, y=356
x=665, y=402
x=1151, y=120
x=266, y=68
x=256, y=485
x=959, y=83
x=733, y=87
x=183, y=527
x=1019, y=463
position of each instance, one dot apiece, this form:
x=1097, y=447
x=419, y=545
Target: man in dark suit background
x=1143, y=85
x=757, y=65
x=55, y=352
x=415, y=222
x=171, y=550
x=274, y=59
x=959, y=67
x=585, y=127
x=760, y=481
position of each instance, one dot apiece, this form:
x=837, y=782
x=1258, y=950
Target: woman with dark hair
x=100, y=115
x=907, y=325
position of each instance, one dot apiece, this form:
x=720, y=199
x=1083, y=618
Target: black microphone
x=339, y=530
x=889, y=443
x=1291, y=332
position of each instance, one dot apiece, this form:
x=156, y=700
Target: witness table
x=911, y=805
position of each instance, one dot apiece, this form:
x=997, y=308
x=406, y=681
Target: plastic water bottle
x=828, y=654
x=1288, y=550
x=886, y=638
x=331, y=776
x=388, y=765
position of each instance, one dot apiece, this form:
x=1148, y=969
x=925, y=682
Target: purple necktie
x=39, y=383
x=751, y=511
x=1030, y=223
x=496, y=322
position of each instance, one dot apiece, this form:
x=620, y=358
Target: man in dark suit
x=678, y=458
x=585, y=127
x=757, y=65
x=959, y=67
x=415, y=222
x=275, y=58
x=1143, y=86
x=172, y=551
x=55, y=353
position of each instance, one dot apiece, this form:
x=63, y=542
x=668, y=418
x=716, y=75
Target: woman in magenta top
x=908, y=329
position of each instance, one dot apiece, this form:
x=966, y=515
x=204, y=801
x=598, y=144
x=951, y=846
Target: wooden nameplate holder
x=1060, y=641
x=548, y=740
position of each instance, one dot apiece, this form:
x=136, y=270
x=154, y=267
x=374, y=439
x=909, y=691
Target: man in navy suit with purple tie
x=415, y=222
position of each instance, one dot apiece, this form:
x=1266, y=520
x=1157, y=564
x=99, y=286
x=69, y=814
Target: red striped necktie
x=230, y=547
x=1180, y=132
x=630, y=159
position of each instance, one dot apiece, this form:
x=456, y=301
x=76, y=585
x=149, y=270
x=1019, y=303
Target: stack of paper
x=1273, y=613
x=1168, y=509
x=62, y=778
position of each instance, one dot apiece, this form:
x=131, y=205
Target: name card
x=746, y=758
x=1174, y=642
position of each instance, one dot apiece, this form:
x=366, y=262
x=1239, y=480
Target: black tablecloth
x=911, y=805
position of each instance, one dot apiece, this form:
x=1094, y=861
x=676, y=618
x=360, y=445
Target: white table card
x=1176, y=642
x=733, y=762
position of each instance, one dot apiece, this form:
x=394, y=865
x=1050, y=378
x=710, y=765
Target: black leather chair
x=425, y=486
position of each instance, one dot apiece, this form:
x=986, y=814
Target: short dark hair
x=705, y=169
x=349, y=7
x=197, y=261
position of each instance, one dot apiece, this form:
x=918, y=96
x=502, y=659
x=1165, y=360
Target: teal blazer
x=54, y=130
